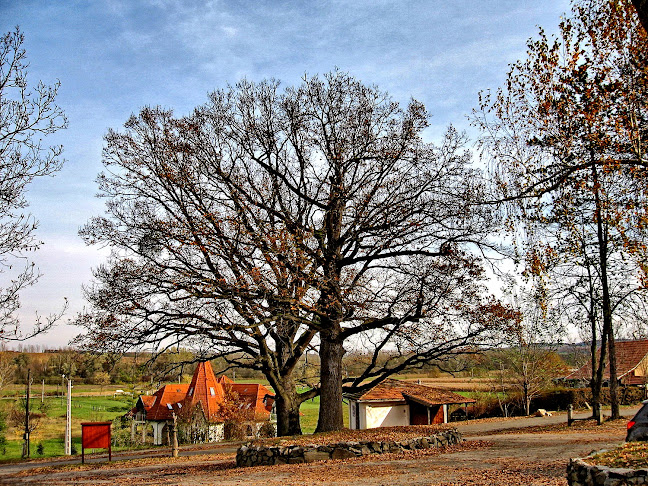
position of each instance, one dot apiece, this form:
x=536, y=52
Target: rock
x=295, y=460
x=376, y=447
x=296, y=451
x=312, y=456
x=340, y=453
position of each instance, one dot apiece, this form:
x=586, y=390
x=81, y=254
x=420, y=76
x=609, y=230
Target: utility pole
x=68, y=420
x=26, y=451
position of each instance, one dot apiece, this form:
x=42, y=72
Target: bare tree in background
x=27, y=114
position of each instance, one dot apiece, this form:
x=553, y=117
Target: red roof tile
x=224, y=380
x=208, y=391
x=256, y=396
x=167, y=399
x=204, y=388
x=628, y=356
x=401, y=391
x=148, y=401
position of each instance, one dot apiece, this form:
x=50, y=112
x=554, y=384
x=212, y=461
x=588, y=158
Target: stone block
x=316, y=455
x=376, y=447
x=341, y=453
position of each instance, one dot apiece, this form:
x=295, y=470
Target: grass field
x=51, y=429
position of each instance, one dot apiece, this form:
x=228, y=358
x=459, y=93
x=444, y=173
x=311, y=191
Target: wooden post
x=43, y=391
x=570, y=415
x=599, y=414
x=174, y=436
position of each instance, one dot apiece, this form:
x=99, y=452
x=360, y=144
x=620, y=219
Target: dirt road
x=531, y=451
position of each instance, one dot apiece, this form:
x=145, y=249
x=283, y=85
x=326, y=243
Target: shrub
x=121, y=435
x=40, y=449
x=233, y=431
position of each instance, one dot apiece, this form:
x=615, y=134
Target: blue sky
x=113, y=57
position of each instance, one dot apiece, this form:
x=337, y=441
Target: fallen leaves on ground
x=589, y=425
x=130, y=463
x=633, y=455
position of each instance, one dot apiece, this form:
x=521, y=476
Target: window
x=169, y=406
x=212, y=391
x=191, y=391
x=179, y=405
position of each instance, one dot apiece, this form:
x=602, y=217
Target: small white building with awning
x=396, y=402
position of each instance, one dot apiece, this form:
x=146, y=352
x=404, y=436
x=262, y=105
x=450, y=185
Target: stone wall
x=579, y=473
x=249, y=455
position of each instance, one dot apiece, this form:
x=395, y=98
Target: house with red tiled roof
x=631, y=363
x=201, y=401
x=396, y=402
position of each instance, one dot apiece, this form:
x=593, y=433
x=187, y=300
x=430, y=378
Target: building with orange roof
x=631, y=363
x=395, y=403
x=201, y=401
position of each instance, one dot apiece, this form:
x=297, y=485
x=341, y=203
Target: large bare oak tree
x=268, y=223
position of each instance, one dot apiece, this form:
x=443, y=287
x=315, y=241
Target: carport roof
x=401, y=391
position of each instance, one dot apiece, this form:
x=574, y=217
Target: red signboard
x=95, y=435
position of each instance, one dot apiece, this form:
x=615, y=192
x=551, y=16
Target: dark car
x=638, y=426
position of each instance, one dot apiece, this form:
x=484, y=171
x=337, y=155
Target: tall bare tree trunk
x=608, y=329
x=330, y=413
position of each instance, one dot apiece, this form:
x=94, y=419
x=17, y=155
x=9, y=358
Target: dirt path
x=534, y=455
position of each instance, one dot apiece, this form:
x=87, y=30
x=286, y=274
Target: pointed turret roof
x=206, y=389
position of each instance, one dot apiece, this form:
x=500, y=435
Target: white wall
x=383, y=416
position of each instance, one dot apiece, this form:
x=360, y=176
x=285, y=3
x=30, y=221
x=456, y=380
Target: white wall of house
x=383, y=415
x=378, y=415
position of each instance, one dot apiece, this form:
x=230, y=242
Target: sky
x=113, y=57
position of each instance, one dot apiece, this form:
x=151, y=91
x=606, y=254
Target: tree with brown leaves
x=568, y=137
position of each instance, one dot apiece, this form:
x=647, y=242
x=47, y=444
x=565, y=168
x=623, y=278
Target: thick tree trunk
x=287, y=404
x=288, y=422
x=330, y=413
